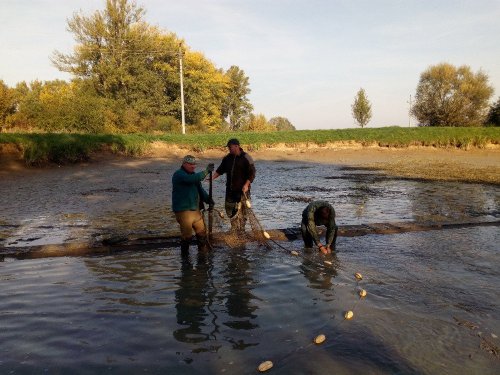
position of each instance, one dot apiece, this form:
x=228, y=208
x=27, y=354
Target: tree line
x=446, y=96
x=126, y=78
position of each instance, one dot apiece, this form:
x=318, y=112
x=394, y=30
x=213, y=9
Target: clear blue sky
x=306, y=59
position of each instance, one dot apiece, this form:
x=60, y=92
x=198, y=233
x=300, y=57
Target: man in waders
x=319, y=213
x=187, y=198
x=240, y=170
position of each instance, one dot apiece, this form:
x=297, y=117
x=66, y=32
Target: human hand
x=323, y=249
x=210, y=167
x=245, y=188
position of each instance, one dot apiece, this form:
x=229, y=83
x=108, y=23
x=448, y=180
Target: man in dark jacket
x=240, y=173
x=319, y=213
x=187, y=198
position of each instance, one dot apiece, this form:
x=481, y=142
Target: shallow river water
x=432, y=307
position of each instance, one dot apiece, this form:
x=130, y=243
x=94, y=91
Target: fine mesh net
x=236, y=231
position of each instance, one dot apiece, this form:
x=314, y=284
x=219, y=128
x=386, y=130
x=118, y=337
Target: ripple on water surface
x=230, y=310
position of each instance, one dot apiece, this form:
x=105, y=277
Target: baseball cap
x=233, y=141
x=190, y=159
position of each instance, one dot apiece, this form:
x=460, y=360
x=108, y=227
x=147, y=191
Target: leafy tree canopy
x=236, y=106
x=137, y=66
x=493, y=118
x=281, y=123
x=451, y=96
x=7, y=103
x=361, y=108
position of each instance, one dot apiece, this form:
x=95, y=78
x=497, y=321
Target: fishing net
x=232, y=230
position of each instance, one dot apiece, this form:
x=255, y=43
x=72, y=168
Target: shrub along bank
x=38, y=149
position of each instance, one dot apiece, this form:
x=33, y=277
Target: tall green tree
x=136, y=66
x=7, y=103
x=237, y=107
x=59, y=106
x=451, y=96
x=493, y=118
x=281, y=123
x=257, y=123
x=361, y=108
x=205, y=88
x=117, y=50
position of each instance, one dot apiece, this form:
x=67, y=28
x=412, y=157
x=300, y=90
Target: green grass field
x=63, y=148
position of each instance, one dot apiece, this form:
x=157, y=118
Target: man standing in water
x=240, y=170
x=187, y=198
x=319, y=213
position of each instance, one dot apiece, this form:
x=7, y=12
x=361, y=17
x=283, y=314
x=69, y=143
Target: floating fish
x=266, y=234
x=293, y=252
x=328, y=262
x=362, y=293
x=348, y=315
x=249, y=205
x=358, y=276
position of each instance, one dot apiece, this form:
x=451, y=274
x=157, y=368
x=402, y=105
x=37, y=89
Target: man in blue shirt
x=187, y=197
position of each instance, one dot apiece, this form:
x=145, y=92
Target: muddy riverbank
x=111, y=196
x=428, y=163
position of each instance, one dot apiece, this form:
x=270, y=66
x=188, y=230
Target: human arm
x=183, y=177
x=250, y=172
x=246, y=186
x=311, y=226
x=331, y=230
x=331, y=244
x=221, y=169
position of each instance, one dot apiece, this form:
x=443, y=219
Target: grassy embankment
x=60, y=148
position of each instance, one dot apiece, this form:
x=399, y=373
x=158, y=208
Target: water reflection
x=238, y=299
x=319, y=276
x=239, y=285
x=200, y=304
x=193, y=300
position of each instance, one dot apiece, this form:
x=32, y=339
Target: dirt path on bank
x=428, y=163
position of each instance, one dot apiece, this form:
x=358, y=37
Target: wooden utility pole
x=182, y=90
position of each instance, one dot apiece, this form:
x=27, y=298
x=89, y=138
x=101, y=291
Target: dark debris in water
x=97, y=191
x=109, y=190
x=373, y=178
x=295, y=198
x=484, y=344
x=305, y=189
x=288, y=169
x=465, y=323
x=489, y=347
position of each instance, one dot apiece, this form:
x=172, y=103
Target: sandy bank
x=473, y=165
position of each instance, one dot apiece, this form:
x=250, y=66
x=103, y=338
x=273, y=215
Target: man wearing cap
x=319, y=213
x=240, y=170
x=187, y=197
